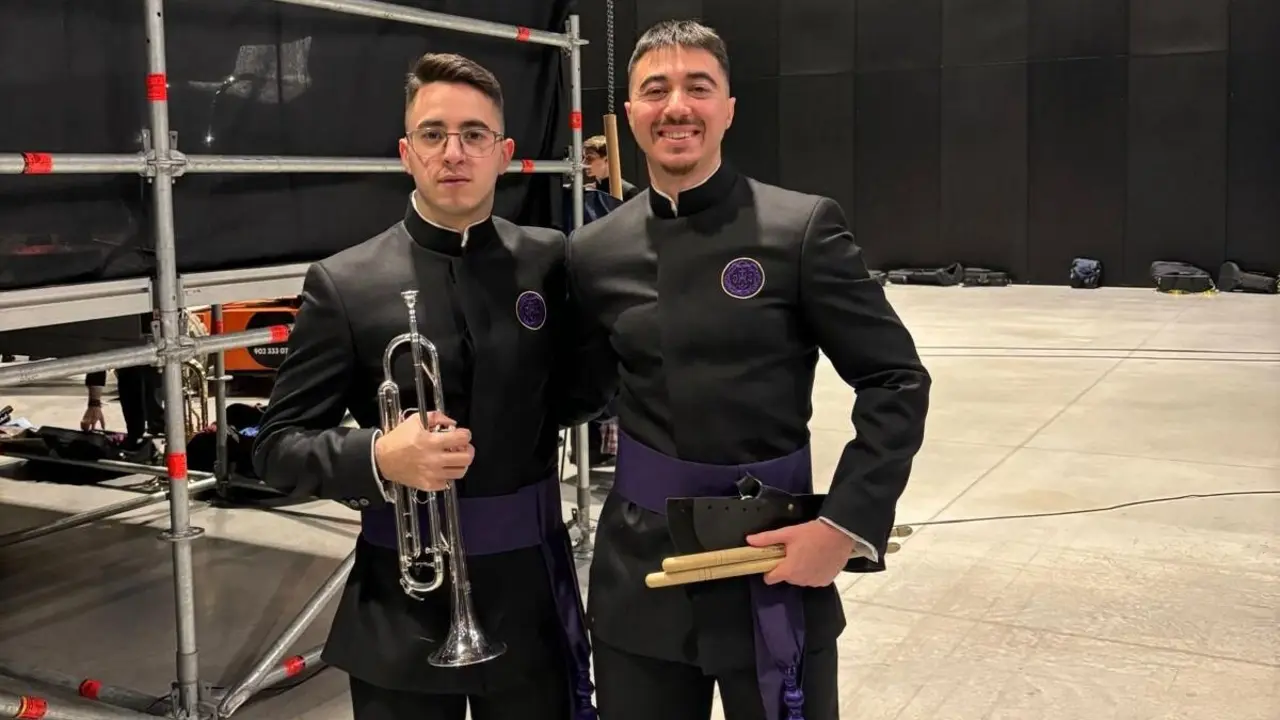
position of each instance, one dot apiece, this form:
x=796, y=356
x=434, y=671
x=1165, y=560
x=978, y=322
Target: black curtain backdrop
x=246, y=77
x=1010, y=134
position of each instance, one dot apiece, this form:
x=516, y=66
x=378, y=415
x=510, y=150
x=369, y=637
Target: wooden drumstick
x=701, y=567
x=705, y=574
x=714, y=558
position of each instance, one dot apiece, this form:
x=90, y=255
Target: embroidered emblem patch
x=531, y=310
x=742, y=278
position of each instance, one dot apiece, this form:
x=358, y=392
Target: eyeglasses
x=476, y=142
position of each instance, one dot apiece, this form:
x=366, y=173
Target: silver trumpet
x=466, y=643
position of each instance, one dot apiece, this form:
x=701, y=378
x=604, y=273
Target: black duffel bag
x=1180, y=277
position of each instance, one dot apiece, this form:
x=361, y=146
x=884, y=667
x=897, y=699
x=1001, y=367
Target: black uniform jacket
x=716, y=308
x=500, y=380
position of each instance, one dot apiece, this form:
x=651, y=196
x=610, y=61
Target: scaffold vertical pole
x=583, y=441
x=221, y=382
x=167, y=301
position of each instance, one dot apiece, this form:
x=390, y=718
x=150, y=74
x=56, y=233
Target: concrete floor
x=1047, y=400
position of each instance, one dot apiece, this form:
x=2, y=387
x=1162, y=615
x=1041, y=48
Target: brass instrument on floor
x=195, y=385
x=195, y=398
x=466, y=643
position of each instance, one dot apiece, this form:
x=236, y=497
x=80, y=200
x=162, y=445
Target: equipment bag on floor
x=984, y=277
x=945, y=277
x=1086, y=273
x=1232, y=278
x=242, y=428
x=1180, y=277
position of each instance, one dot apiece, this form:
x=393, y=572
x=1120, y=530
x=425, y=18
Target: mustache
x=679, y=122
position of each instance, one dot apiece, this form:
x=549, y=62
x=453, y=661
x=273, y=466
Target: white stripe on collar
x=675, y=205
x=413, y=199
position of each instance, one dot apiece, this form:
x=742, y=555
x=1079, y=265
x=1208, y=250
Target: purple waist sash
x=647, y=478
x=530, y=517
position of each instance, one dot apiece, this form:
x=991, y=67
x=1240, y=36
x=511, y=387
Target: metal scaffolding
x=169, y=295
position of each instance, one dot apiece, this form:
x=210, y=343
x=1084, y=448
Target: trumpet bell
x=466, y=645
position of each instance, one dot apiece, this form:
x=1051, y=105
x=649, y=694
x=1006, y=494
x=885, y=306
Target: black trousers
x=140, y=392
x=534, y=701
x=633, y=687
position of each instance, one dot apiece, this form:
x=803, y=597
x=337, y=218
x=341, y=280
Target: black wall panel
x=816, y=37
x=896, y=130
x=649, y=12
x=1165, y=27
x=815, y=136
x=1177, y=161
x=1255, y=26
x=1253, y=179
x=751, y=144
x=1077, y=129
x=1008, y=133
x=984, y=166
x=899, y=34
x=1077, y=28
x=983, y=31
x=750, y=27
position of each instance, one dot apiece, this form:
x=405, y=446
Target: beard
x=679, y=168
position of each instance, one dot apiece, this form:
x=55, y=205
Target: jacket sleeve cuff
x=357, y=480
x=864, y=548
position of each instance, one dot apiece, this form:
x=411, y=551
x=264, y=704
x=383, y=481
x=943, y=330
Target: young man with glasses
x=493, y=299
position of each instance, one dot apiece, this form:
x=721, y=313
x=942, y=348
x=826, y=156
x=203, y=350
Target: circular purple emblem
x=742, y=278
x=531, y=310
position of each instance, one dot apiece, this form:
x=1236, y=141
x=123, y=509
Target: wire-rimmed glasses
x=476, y=142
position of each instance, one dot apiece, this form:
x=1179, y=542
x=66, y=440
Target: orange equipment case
x=236, y=317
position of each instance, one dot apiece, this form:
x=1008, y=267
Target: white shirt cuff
x=867, y=549
x=373, y=457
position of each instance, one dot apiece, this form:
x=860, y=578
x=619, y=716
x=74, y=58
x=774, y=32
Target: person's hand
x=816, y=553
x=424, y=459
x=93, y=417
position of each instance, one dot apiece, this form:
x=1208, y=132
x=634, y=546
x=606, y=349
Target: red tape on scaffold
x=176, y=464
x=522, y=34
x=34, y=163
x=526, y=166
x=90, y=689
x=575, y=120
x=294, y=665
x=157, y=87
x=31, y=708
x=279, y=333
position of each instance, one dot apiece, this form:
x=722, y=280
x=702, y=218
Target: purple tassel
x=792, y=694
x=583, y=690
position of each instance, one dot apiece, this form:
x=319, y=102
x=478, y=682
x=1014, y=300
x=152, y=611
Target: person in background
x=595, y=155
x=139, y=391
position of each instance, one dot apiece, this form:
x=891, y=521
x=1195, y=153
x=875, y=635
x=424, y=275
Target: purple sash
x=647, y=478
x=531, y=516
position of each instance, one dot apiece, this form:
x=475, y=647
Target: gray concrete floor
x=1047, y=400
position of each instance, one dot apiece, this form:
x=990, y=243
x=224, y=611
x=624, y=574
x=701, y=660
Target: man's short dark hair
x=680, y=33
x=451, y=68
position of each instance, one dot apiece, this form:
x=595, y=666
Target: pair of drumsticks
x=735, y=562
